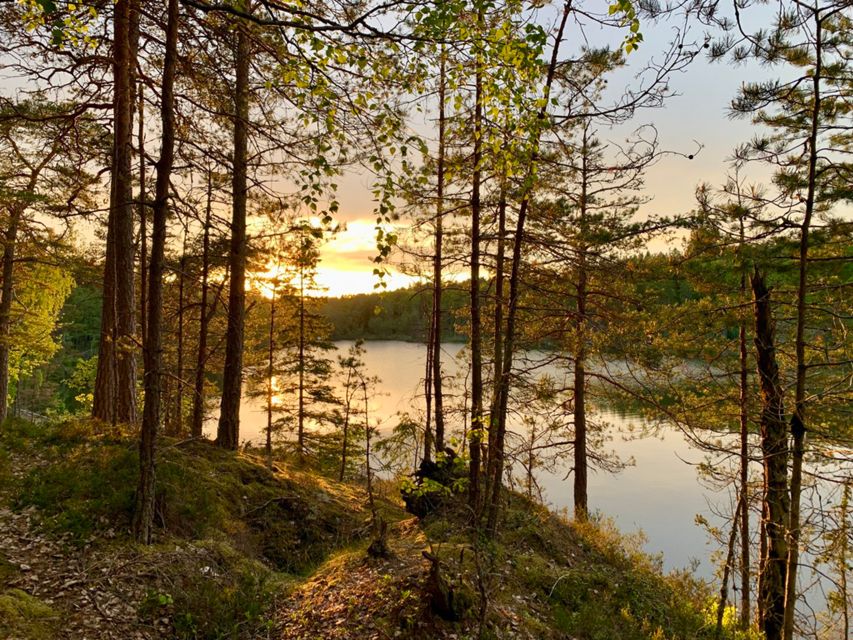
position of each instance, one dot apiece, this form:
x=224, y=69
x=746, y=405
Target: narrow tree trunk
x=228, y=431
x=580, y=472
x=347, y=405
x=798, y=419
x=203, y=319
x=428, y=437
x=515, y=271
x=179, y=395
x=580, y=463
x=727, y=568
x=497, y=431
x=475, y=435
x=301, y=364
x=143, y=231
x=270, y=361
x=115, y=386
x=438, y=262
x=143, y=516
x=744, y=461
x=9, y=242
x=774, y=447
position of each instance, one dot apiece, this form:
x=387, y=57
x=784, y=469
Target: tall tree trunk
x=9, y=242
x=581, y=466
x=744, y=455
x=179, y=392
x=270, y=364
x=228, y=432
x=301, y=363
x=115, y=384
x=428, y=436
x=798, y=419
x=515, y=271
x=203, y=318
x=774, y=448
x=437, y=261
x=497, y=429
x=143, y=516
x=143, y=231
x=476, y=431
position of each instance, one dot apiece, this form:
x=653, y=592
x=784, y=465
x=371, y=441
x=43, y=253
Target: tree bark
x=476, y=431
x=438, y=262
x=798, y=419
x=143, y=520
x=228, y=432
x=745, y=586
x=204, y=319
x=270, y=364
x=178, y=427
x=581, y=466
x=115, y=385
x=301, y=363
x=143, y=231
x=774, y=447
x=727, y=568
x=9, y=243
x=515, y=271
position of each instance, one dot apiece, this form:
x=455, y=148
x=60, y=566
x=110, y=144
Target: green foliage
x=40, y=294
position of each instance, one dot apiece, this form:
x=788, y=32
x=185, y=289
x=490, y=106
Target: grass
x=234, y=538
x=24, y=617
x=245, y=533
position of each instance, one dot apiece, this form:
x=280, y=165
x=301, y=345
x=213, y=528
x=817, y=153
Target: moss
x=26, y=618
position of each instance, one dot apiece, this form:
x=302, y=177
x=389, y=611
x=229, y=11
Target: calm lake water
x=659, y=494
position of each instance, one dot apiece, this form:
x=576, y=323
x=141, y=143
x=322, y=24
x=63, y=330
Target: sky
x=693, y=121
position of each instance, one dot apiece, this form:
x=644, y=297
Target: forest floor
x=51, y=591
x=247, y=552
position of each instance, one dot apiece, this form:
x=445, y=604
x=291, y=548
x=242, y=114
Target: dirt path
x=357, y=597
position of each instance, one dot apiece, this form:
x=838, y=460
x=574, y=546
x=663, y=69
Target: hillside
x=244, y=552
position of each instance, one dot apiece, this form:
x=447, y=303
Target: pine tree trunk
x=9, y=242
x=798, y=419
x=203, y=319
x=475, y=434
x=515, y=270
x=179, y=395
x=143, y=231
x=745, y=586
x=115, y=385
x=270, y=365
x=438, y=262
x=143, y=517
x=301, y=363
x=580, y=462
x=580, y=457
x=228, y=432
x=774, y=448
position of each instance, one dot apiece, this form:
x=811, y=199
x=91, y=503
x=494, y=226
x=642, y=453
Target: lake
x=659, y=494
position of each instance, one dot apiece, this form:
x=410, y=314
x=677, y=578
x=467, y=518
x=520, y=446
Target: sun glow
x=346, y=268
